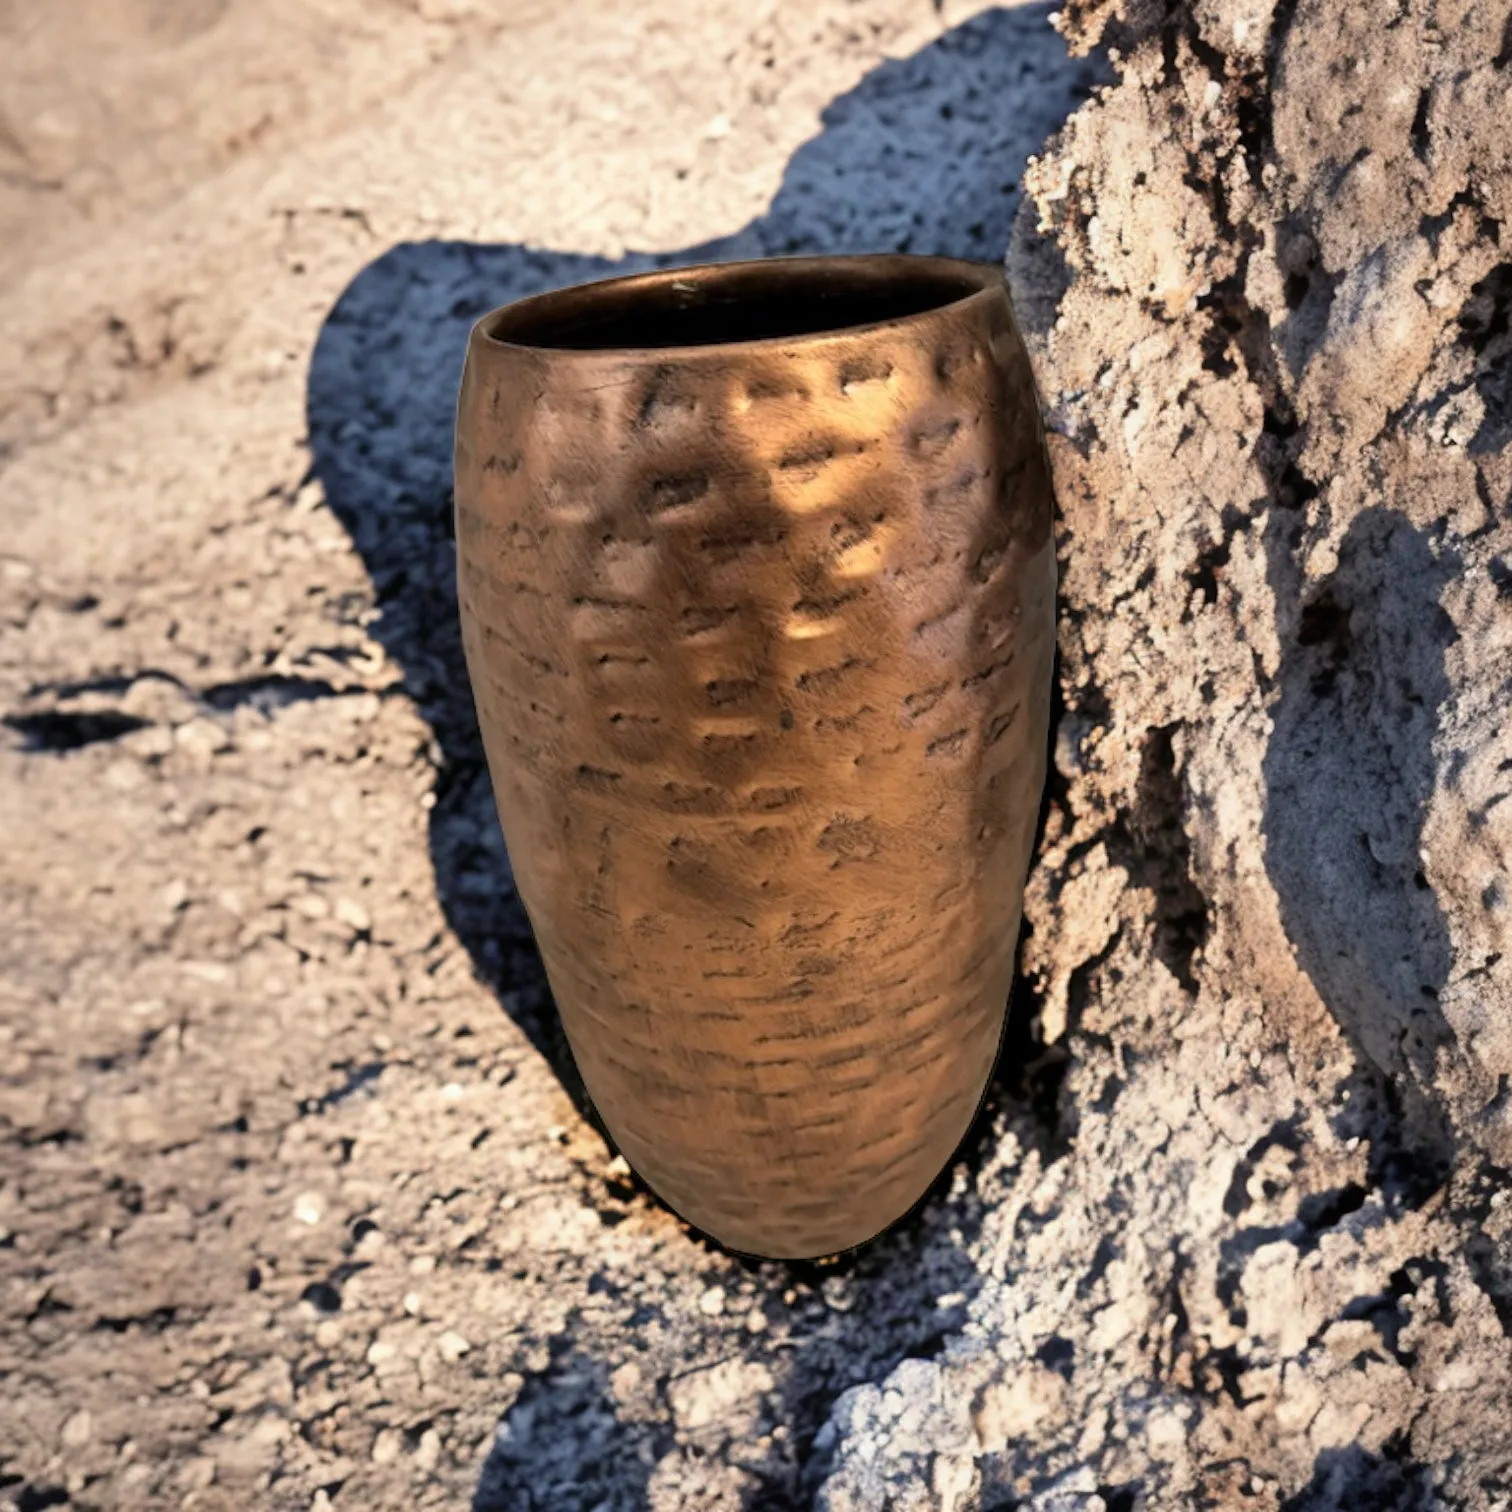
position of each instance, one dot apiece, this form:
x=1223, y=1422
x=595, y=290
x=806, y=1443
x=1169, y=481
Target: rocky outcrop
x=1271, y=920
x=1280, y=388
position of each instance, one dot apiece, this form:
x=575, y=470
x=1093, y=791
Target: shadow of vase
x=921, y=156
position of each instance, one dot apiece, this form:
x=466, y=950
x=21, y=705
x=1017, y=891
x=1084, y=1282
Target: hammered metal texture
x=760, y=636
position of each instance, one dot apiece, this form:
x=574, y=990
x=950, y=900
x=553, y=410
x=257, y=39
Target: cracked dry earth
x=300, y=1206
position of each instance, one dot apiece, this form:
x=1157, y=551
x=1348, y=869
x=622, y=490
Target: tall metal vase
x=757, y=589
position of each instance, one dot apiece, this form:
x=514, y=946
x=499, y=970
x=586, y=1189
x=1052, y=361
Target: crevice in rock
x=1385, y=1311
x=1321, y=1211
x=1286, y=1135
x=1028, y=1072
x=1490, y=1264
x=1171, y=1348
x=1484, y=324
x=1160, y=857
x=1108, y=1250
x=1206, y=573
x=1504, y=58
x=1318, y=1214
x=1324, y=624
x=1487, y=313
x=1420, y=137
x=1079, y=989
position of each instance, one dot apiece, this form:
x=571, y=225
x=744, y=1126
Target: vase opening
x=777, y=300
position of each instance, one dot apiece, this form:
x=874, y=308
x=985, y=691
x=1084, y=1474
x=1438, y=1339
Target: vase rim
x=558, y=323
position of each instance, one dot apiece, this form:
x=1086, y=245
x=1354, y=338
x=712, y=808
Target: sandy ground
x=297, y=1205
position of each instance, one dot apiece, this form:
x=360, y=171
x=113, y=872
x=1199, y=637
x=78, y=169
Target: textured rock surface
x=1271, y=909
x=294, y=1215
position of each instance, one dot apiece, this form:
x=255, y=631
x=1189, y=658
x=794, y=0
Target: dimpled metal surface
x=760, y=635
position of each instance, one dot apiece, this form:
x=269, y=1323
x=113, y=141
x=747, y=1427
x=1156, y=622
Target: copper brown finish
x=757, y=591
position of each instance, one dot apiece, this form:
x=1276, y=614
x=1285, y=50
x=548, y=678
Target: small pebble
x=837, y=1294
x=711, y=1304
x=198, y=1474
x=452, y=1346
x=309, y=1207
x=353, y=915
x=625, y=1381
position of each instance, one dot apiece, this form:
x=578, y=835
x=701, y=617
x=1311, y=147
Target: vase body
x=757, y=584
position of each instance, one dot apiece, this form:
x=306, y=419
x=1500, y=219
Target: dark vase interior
x=737, y=303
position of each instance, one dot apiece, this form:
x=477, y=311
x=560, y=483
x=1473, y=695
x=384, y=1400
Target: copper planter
x=757, y=591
